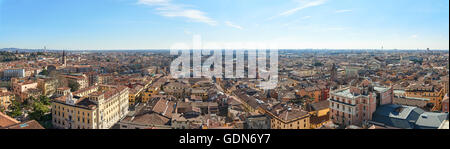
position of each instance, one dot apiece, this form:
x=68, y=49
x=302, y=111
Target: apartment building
x=289, y=119
x=14, y=73
x=435, y=93
x=47, y=86
x=80, y=79
x=98, y=110
x=353, y=105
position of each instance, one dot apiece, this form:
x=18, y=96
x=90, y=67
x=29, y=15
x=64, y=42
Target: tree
x=16, y=109
x=44, y=72
x=73, y=85
x=45, y=100
x=39, y=110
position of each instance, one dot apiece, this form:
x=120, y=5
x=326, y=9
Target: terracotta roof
x=26, y=125
x=147, y=119
x=84, y=89
x=136, y=89
x=320, y=105
x=289, y=115
x=162, y=106
x=5, y=120
x=75, y=77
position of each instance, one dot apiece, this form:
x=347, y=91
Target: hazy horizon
x=158, y=24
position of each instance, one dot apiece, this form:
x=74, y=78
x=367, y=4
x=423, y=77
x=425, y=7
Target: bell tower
x=63, y=60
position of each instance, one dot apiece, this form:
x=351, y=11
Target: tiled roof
x=320, y=105
x=5, y=120
x=147, y=119
x=26, y=125
x=289, y=115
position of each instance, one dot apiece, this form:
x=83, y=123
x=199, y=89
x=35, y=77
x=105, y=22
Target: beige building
x=290, y=119
x=5, y=98
x=47, y=86
x=80, y=79
x=98, y=110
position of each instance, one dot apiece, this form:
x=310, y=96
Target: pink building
x=355, y=105
x=445, y=104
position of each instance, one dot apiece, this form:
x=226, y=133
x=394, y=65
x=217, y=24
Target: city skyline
x=158, y=24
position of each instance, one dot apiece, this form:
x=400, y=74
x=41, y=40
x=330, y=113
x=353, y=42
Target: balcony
x=344, y=103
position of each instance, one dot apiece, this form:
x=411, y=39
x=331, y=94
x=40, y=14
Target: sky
x=289, y=24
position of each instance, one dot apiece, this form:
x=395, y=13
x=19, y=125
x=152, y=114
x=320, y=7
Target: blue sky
x=158, y=24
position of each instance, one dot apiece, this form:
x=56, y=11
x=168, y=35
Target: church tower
x=63, y=61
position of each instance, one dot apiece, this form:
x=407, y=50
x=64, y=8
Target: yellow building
x=48, y=86
x=5, y=98
x=154, y=89
x=82, y=80
x=435, y=94
x=320, y=114
x=135, y=94
x=99, y=110
x=149, y=93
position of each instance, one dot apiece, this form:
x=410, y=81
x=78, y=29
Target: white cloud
x=305, y=17
x=154, y=2
x=343, y=11
x=169, y=9
x=303, y=4
x=414, y=36
x=228, y=23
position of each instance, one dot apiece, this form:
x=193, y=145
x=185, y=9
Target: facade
x=320, y=114
x=177, y=89
x=445, y=84
x=23, y=86
x=257, y=122
x=14, y=73
x=99, y=110
x=5, y=98
x=289, y=119
x=434, y=93
x=86, y=91
x=445, y=104
x=48, y=86
x=80, y=79
x=62, y=91
x=353, y=105
x=135, y=94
